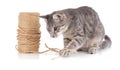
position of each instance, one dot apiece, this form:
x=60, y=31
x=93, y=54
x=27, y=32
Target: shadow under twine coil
x=28, y=32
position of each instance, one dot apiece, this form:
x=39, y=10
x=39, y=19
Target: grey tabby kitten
x=81, y=29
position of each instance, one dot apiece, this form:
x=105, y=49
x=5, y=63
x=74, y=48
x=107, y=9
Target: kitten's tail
x=106, y=43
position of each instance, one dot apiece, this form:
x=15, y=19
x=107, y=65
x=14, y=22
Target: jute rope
x=28, y=32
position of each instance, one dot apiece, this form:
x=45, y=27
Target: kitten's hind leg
x=93, y=45
x=93, y=49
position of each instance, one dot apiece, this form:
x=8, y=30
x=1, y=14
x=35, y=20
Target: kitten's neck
x=69, y=31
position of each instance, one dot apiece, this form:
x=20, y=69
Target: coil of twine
x=28, y=32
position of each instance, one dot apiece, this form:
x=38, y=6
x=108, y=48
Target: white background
x=10, y=59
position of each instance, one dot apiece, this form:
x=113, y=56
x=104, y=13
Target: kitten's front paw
x=64, y=52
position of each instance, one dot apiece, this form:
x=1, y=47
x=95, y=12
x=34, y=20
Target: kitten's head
x=56, y=23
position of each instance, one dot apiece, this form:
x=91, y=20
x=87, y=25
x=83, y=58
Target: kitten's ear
x=57, y=17
x=45, y=17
